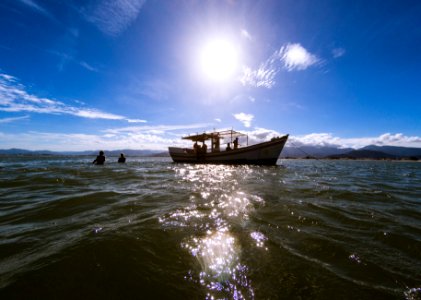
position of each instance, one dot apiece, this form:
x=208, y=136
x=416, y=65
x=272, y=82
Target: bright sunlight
x=218, y=60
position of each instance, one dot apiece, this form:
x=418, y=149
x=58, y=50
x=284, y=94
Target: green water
x=151, y=229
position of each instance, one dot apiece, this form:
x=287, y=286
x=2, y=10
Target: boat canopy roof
x=213, y=135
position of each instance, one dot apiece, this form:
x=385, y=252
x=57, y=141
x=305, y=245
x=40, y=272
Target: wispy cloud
x=66, y=57
x=36, y=7
x=80, y=142
x=113, y=16
x=338, y=52
x=151, y=88
x=88, y=66
x=5, y=48
x=157, y=137
x=290, y=57
x=15, y=98
x=296, y=57
x=245, y=34
x=9, y=120
x=157, y=128
x=136, y=121
x=264, y=76
x=244, y=118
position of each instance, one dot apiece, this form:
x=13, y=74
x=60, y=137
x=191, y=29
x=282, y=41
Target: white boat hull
x=266, y=153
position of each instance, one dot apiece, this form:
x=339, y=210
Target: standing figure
x=100, y=159
x=236, y=143
x=121, y=159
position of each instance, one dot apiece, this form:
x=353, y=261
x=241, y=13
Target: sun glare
x=218, y=60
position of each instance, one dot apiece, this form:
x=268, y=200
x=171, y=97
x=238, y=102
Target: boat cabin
x=230, y=140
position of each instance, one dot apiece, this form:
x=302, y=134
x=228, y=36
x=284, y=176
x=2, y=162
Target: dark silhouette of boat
x=266, y=153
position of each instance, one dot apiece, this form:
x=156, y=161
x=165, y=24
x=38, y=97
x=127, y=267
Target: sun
x=218, y=60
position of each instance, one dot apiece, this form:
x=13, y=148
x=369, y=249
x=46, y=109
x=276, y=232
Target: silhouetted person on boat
x=196, y=147
x=121, y=159
x=100, y=159
x=204, y=147
x=228, y=147
x=236, y=143
x=216, y=145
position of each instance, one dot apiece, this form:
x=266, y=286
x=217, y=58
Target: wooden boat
x=265, y=153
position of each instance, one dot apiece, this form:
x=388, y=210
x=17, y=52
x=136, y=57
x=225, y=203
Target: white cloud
x=157, y=137
x=328, y=139
x=338, y=52
x=92, y=114
x=9, y=120
x=244, y=118
x=218, y=120
x=15, y=98
x=161, y=136
x=289, y=57
x=398, y=139
x=157, y=128
x=136, y=121
x=317, y=139
x=264, y=76
x=259, y=135
x=296, y=57
x=245, y=34
x=113, y=16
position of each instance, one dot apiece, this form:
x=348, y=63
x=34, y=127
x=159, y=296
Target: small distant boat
x=266, y=153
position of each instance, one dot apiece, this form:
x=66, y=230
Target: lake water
x=152, y=229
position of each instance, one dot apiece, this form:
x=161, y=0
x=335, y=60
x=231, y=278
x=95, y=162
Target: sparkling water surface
x=152, y=229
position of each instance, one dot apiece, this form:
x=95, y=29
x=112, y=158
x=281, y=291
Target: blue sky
x=139, y=74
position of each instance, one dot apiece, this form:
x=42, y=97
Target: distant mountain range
x=312, y=151
x=368, y=152
x=362, y=153
x=127, y=152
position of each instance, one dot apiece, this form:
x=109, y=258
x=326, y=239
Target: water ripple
x=306, y=229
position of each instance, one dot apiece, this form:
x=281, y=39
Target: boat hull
x=266, y=153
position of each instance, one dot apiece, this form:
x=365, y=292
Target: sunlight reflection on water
x=259, y=238
x=216, y=204
x=308, y=230
x=216, y=252
x=222, y=273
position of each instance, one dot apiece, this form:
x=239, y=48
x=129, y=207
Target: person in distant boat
x=100, y=159
x=196, y=147
x=204, y=147
x=121, y=159
x=228, y=147
x=236, y=143
x=216, y=144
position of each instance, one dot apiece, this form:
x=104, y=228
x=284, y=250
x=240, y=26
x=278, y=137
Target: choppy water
x=149, y=228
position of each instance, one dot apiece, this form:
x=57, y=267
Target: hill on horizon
x=363, y=153
x=127, y=152
x=371, y=151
